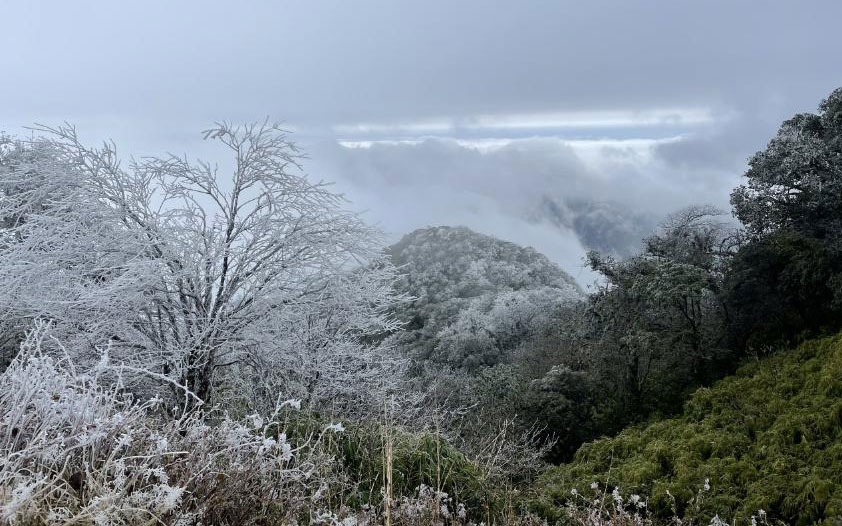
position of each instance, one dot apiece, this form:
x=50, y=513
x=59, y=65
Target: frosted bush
x=78, y=448
x=81, y=448
x=425, y=507
x=608, y=509
x=73, y=449
x=602, y=508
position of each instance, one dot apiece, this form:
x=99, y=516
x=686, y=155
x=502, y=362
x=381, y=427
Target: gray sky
x=443, y=112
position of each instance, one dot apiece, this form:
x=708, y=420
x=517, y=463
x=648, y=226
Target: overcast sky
x=442, y=112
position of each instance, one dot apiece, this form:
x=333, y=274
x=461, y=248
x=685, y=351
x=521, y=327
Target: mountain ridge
x=473, y=295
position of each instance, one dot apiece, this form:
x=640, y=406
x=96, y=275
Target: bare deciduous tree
x=189, y=273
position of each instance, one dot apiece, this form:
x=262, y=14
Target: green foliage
x=787, y=281
x=558, y=404
x=655, y=328
x=768, y=438
x=417, y=459
x=780, y=290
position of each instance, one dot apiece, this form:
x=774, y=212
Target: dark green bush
x=768, y=438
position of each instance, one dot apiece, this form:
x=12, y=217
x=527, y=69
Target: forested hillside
x=472, y=298
x=761, y=446
x=768, y=438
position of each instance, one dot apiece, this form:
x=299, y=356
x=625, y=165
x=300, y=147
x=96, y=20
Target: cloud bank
x=518, y=119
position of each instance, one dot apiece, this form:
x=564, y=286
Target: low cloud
x=534, y=191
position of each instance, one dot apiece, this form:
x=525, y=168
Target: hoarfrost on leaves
x=194, y=275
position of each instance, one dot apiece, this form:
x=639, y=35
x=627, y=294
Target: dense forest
x=189, y=343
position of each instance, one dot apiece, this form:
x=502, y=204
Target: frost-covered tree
x=786, y=283
x=492, y=325
x=200, y=273
x=656, y=326
x=796, y=182
x=474, y=297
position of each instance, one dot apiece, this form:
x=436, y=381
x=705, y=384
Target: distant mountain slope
x=608, y=227
x=475, y=296
x=768, y=438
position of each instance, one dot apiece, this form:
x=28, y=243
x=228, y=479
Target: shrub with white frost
x=77, y=448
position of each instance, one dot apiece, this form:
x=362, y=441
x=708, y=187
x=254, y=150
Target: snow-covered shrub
x=599, y=508
x=78, y=448
x=426, y=506
x=73, y=449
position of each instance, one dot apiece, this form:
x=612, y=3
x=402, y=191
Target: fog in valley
x=512, y=119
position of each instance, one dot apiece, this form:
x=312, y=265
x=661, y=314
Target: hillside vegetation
x=769, y=437
x=473, y=297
